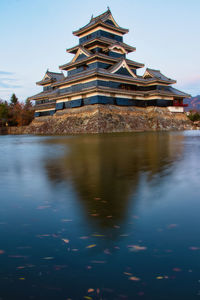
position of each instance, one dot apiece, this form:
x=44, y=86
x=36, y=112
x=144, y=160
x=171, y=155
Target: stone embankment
x=105, y=118
x=109, y=118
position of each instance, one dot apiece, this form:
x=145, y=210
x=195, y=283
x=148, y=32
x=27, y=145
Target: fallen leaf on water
x=89, y=267
x=91, y=246
x=98, y=261
x=90, y=290
x=172, y=226
x=42, y=235
x=22, y=278
x=66, y=241
x=107, y=251
x=43, y=206
x=137, y=248
x=177, y=270
x=133, y=278
x=2, y=251
x=194, y=248
x=98, y=235
x=162, y=277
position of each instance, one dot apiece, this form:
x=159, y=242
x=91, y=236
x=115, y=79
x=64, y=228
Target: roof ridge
x=101, y=15
x=59, y=73
x=149, y=69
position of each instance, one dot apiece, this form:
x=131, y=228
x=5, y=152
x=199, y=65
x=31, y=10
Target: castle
x=100, y=73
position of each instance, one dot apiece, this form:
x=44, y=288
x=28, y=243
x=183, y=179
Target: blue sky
x=34, y=36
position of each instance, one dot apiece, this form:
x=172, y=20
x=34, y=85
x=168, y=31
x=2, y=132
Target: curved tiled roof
x=101, y=19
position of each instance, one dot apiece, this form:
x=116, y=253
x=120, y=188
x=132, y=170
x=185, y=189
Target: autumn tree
x=13, y=99
x=28, y=112
x=3, y=113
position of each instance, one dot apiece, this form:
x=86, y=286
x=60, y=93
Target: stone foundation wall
x=108, y=118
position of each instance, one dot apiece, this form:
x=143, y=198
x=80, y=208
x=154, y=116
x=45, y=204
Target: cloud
x=6, y=73
x=7, y=80
x=9, y=86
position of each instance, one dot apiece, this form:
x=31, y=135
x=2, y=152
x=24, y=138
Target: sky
x=34, y=36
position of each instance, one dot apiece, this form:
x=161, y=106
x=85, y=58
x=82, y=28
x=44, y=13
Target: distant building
x=100, y=73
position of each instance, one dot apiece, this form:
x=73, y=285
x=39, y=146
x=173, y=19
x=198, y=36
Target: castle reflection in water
x=106, y=171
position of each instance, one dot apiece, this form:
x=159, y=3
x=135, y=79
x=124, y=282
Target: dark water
x=100, y=217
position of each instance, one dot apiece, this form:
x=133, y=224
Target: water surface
x=111, y=216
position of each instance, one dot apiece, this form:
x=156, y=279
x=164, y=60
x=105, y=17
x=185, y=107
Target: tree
x=28, y=112
x=3, y=113
x=13, y=99
x=194, y=116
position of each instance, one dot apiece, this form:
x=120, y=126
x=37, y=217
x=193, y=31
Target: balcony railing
x=180, y=104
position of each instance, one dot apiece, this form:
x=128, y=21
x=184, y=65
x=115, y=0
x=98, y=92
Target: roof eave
x=99, y=23
x=42, y=83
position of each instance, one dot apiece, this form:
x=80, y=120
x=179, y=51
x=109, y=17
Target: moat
x=111, y=216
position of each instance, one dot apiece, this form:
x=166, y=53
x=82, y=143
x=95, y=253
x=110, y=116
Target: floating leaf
x=22, y=278
x=107, y=251
x=159, y=277
x=91, y=246
x=66, y=241
x=98, y=261
x=42, y=235
x=98, y=235
x=133, y=278
x=43, y=206
x=137, y=248
x=172, y=226
x=84, y=237
x=194, y=248
x=177, y=270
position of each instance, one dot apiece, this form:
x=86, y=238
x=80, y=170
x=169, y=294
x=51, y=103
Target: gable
x=46, y=77
x=109, y=22
x=123, y=71
x=80, y=54
x=122, y=68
